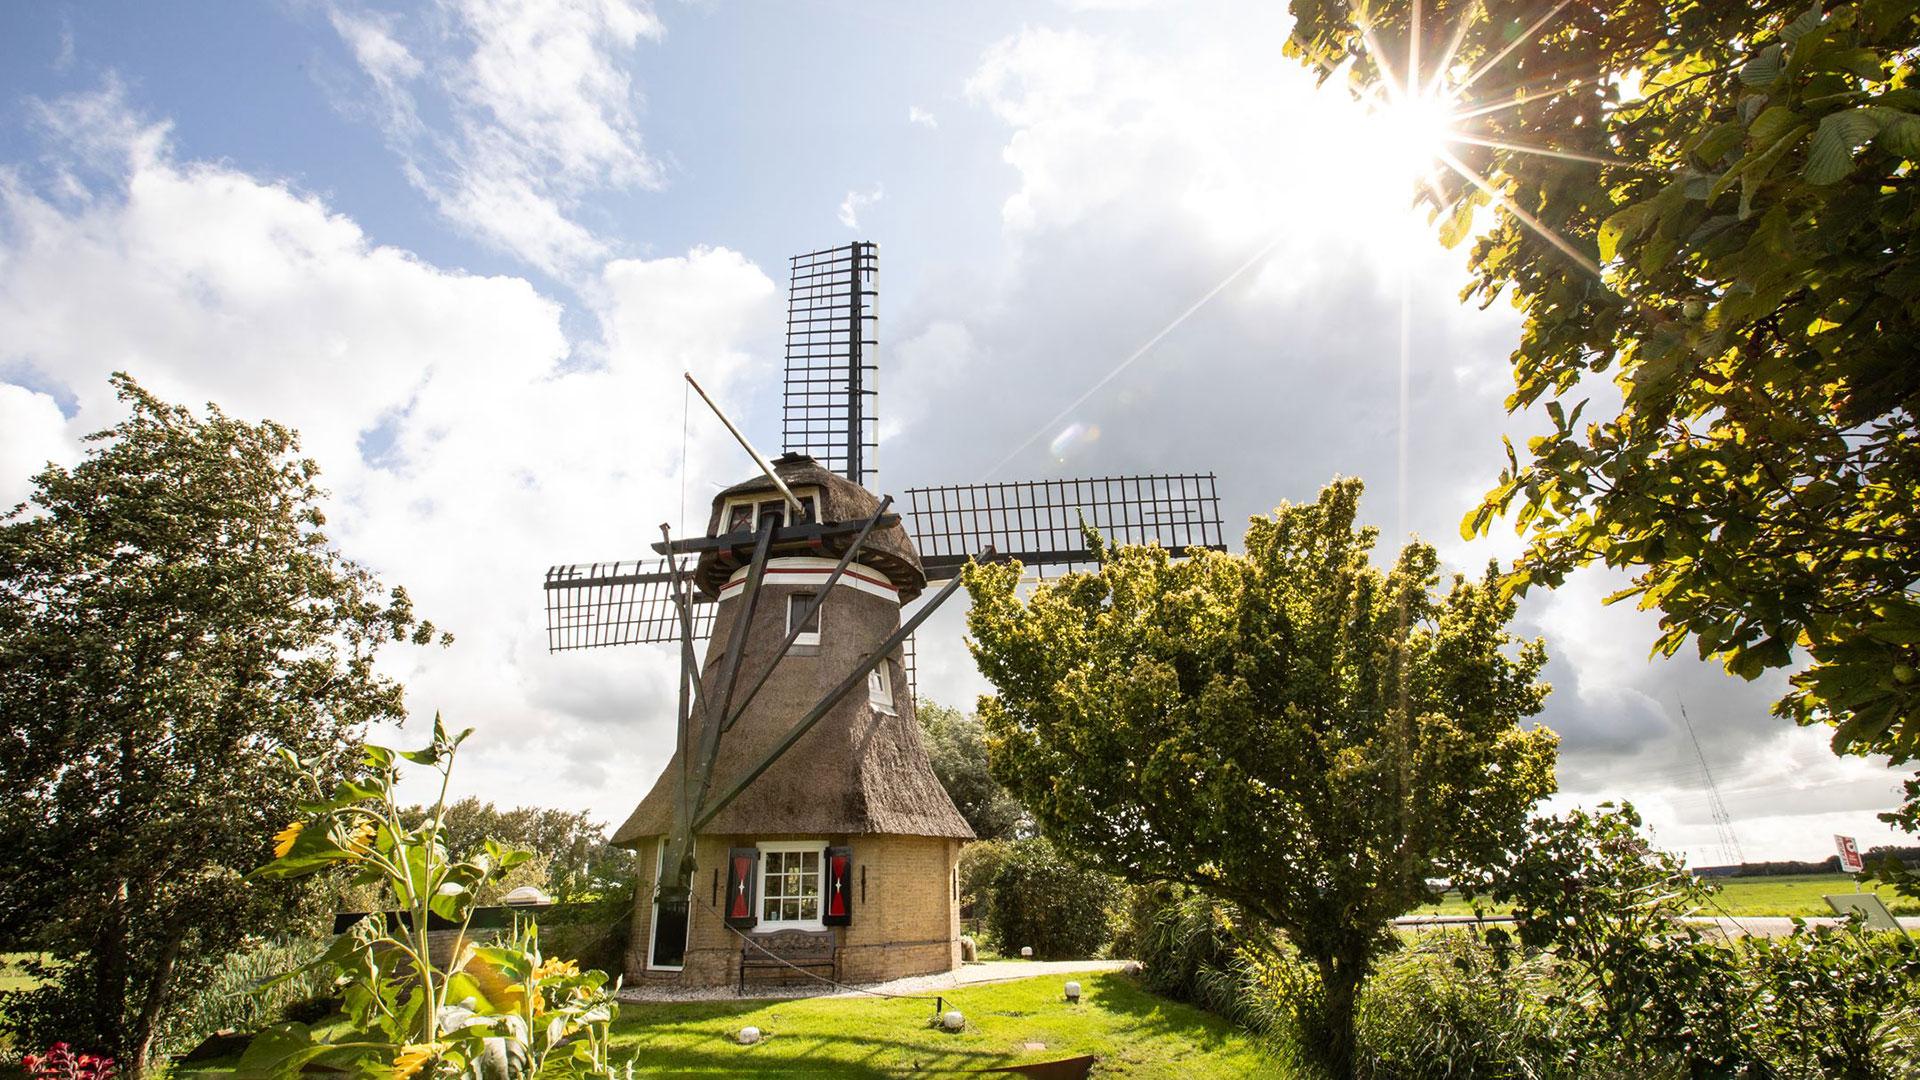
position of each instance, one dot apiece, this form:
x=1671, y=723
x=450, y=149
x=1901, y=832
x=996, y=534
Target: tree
x=170, y=610
x=957, y=744
x=1737, y=248
x=1291, y=730
x=578, y=860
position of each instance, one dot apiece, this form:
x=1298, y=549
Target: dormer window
x=748, y=514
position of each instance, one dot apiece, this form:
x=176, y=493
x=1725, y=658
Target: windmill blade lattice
x=827, y=411
x=591, y=605
x=1038, y=521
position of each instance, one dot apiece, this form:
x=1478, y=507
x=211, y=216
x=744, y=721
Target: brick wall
x=907, y=924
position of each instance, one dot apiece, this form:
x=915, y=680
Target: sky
x=467, y=247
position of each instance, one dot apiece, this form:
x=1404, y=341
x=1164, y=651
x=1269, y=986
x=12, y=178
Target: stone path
x=990, y=971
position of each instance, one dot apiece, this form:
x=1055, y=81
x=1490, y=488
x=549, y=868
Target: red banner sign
x=1849, y=854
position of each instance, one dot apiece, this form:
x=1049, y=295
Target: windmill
x=807, y=798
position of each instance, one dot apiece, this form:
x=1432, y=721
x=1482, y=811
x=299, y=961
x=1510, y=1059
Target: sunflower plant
x=499, y=1010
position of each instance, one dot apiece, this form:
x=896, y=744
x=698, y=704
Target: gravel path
x=990, y=971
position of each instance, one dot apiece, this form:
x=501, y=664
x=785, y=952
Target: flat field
x=1788, y=894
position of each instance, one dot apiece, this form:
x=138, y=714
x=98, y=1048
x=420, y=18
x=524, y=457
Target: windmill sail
x=1038, y=521
x=590, y=605
x=827, y=412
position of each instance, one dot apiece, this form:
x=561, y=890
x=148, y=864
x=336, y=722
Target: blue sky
x=467, y=247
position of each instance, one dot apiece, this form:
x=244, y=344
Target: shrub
x=233, y=999
x=1042, y=900
x=1589, y=890
x=595, y=933
x=1837, y=1001
x=980, y=861
x=1184, y=942
x=1453, y=1006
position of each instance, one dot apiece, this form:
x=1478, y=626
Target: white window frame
x=819, y=848
x=880, y=687
x=762, y=501
x=653, y=918
x=811, y=637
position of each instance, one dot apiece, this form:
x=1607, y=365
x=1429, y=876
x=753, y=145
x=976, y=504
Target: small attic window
x=880, y=688
x=743, y=514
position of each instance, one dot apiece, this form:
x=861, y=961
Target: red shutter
x=742, y=866
x=839, y=887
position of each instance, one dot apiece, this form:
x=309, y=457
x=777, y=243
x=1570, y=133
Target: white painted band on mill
x=808, y=570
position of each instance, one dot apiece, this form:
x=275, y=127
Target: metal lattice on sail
x=827, y=412
x=590, y=605
x=1038, y=521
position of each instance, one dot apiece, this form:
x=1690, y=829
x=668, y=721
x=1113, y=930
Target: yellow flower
x=361, y=838
x=283, y=840
x=412, y=1058
x=556, y=966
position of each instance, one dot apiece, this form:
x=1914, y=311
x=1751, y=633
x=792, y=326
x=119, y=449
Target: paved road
x=1730, y=926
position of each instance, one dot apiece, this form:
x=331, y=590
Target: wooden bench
x=808, y=950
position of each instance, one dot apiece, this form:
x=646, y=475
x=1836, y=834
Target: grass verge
x=1131, y=1032
x=1788, y=894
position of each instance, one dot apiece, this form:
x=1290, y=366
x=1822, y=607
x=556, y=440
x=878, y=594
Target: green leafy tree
x=1738, y=253
x=578, y=860
x=957, y=745
x=169, y=610
x=1292, y=730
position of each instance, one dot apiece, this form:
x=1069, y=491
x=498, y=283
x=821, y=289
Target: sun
x=1414, y=131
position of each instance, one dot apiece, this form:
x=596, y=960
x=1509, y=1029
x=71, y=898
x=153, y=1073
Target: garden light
x=952, y=1020
x=1073, y=992
x=1026, y=952
x=747, y=1036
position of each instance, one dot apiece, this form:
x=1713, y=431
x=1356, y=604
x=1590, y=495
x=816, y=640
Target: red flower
x=61, y=1063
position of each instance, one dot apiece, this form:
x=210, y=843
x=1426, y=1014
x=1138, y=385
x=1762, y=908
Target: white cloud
x=857, y=201
x=491, y=449
x=541, y=111
x=32, y=433
x=918, y=115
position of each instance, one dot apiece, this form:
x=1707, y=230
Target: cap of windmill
x=833, y=500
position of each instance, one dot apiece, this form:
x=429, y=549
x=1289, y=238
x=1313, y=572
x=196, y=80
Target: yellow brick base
x=906, y=912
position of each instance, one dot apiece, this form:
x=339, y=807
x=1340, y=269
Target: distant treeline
x=1828, y=865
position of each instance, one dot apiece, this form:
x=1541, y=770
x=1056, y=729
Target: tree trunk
x=149, y=1022
x=109, y=962
x=1333, y=1044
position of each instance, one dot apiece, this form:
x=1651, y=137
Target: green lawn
x=1130, y=1031
x=1791, y=894
x=13, y=975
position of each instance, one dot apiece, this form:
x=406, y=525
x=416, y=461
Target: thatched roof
x=859, y=770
